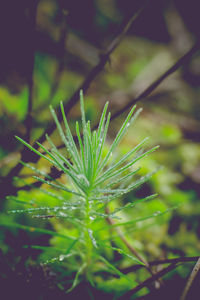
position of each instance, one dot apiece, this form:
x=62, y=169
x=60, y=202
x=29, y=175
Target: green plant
x=95, y=179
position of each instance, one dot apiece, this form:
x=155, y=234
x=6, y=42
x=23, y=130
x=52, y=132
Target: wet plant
x=94, y=180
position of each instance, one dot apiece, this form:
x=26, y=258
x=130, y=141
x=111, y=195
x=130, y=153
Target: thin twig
x=113, y=45
x=160, y=262
x=180, y=62
x=129, y=246
x=191, y=279
x=121, y=235
x=148, y=281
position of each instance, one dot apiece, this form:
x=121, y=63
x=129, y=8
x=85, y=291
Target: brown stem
x=191, y=279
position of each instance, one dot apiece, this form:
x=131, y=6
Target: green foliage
x=94, y=179
x=11, y=104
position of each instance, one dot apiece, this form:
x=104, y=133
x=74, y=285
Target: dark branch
x=160, y=262
x=180, y=62
x=148, y=281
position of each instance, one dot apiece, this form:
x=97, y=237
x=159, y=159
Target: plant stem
x=88, y=241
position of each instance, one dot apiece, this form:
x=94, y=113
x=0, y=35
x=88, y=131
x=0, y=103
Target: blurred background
x=49, y=48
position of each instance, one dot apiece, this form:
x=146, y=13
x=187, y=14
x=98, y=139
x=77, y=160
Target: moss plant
x=94, y=180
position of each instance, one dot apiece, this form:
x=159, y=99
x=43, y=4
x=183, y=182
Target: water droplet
x=61, y=257
x=157, y=213
x=73, y=207
x=61, y=214
x=92, y=238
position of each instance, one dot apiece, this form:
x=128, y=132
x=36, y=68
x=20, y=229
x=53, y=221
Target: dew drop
x=156, y=213
x=73, y=207
x=92, y=238
x=61, y=214
x=61, y=257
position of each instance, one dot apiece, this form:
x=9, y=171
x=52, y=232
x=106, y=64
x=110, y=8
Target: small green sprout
x=94, y=180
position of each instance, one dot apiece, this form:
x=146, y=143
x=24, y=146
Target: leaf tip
x=17, y=137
